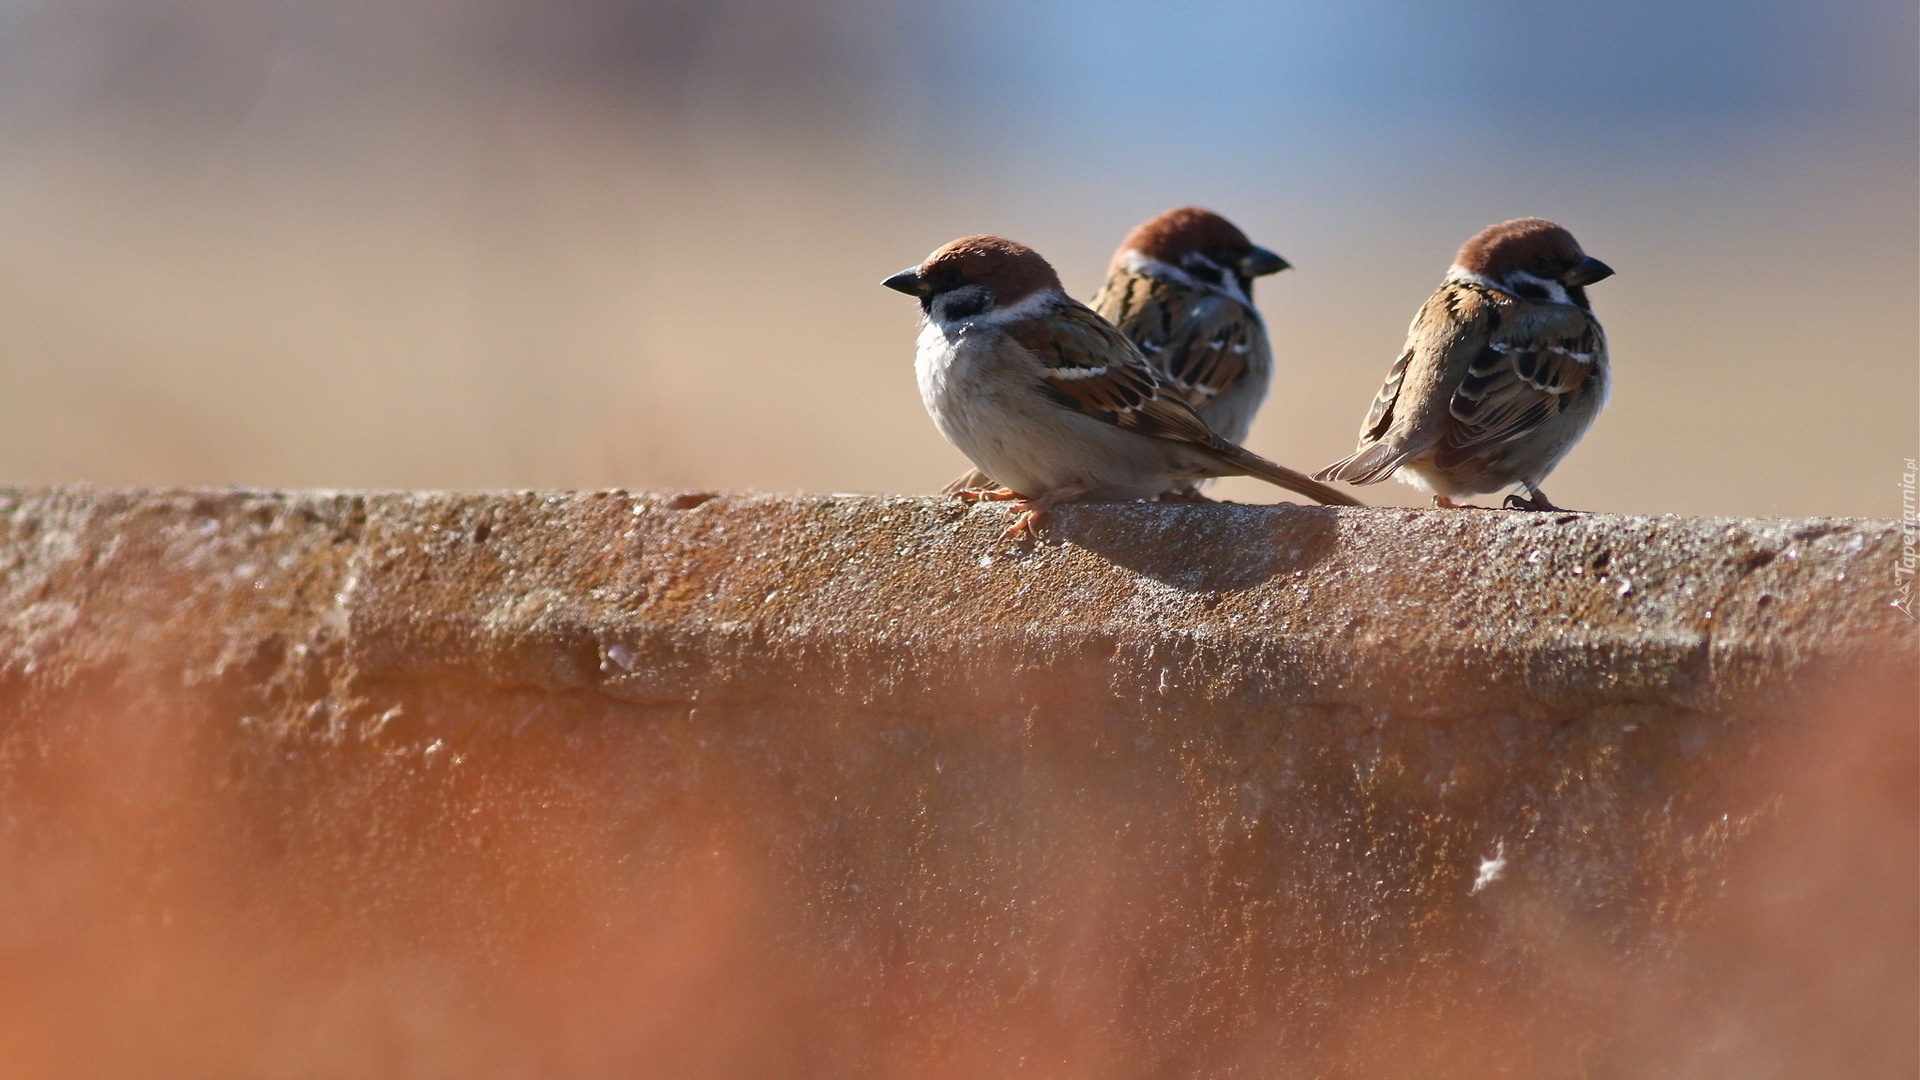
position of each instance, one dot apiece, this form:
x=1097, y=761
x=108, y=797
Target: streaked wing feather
x=1527, y=373
x=1092, y=368
x=1380, y=415
x=1199, y=341
x=1455, y=317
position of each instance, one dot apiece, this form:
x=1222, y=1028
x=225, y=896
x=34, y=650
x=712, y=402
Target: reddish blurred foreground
x=619, y=891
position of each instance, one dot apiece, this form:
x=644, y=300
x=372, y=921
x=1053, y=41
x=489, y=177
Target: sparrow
x=1050, y=399
x=1504, y=369
x=1181, y=288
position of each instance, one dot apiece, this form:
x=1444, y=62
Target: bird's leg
x=1538, y=501
x=1444, y=503
x=1032, y=510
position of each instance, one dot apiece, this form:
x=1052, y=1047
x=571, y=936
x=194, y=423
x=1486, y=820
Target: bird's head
x=974, y=276
x=1531, y=258
x=1205, y=246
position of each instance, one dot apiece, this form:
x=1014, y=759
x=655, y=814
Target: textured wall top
x=665, y=598
x=529, y=785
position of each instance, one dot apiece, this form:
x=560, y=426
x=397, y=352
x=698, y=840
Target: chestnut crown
x=1007, y=272
x=1530, y=248
x=1203, y=244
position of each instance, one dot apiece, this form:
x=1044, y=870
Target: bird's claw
x=1027, y=525
x=1539, y=502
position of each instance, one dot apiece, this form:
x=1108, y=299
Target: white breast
x=984, y=392
x=958, y=384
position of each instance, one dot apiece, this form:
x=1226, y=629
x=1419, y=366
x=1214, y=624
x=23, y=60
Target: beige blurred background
x=509, y=244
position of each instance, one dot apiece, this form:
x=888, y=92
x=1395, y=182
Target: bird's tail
x=1254, y=465
x=1367, y=465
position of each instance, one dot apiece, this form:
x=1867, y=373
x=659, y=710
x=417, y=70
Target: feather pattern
x=1535, y=362
x=1088, y=365
x=1208, y=346
x=1201, y=341
x=1380, y=414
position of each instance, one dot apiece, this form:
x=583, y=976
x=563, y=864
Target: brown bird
x=1503, y=371
x=1050, y=399
x=1181, y=288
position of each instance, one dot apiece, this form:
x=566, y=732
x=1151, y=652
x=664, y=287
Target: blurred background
x=585, y=243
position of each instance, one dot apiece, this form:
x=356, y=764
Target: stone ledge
x=643, y=601
x=1184, y=790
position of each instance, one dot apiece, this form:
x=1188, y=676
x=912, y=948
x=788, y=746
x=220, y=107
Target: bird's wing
x=1535, y=363
x=1380, y=414
x=1401, y=423
x=1201, y=342
x=1089, y=366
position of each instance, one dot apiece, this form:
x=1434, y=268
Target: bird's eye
x=1541, y=267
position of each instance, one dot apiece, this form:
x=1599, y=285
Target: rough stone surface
x=589, y=784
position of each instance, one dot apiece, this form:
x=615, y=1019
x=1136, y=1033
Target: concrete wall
x=610, y=784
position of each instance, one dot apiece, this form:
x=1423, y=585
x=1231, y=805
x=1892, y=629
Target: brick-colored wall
x=609, y=784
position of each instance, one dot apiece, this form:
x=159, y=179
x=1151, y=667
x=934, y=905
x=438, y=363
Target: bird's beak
x=908, y=281
x=1260, y=262
x=1587, y=271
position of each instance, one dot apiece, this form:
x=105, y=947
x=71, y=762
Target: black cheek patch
x=1527, y=290
x=965, y=307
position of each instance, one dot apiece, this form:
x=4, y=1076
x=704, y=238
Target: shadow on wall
x=1202, y=549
